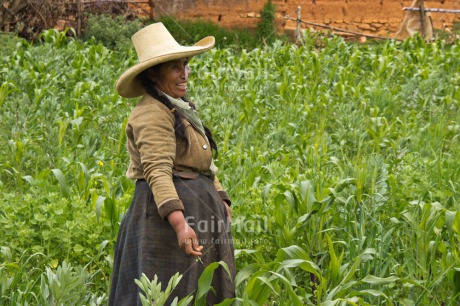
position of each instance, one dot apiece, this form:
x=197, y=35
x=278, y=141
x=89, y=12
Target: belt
x=189, y=174
x=192, y=174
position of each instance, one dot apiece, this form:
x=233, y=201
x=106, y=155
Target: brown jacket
x=155, y=153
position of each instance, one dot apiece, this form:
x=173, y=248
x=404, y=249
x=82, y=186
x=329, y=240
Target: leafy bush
x=49, y=224
x=63, y=284
x=115, y=33
x=266, y=27
x=10, y=42
x=58, y=228
x=152, y=295
x=112, y=32
x=188, y=32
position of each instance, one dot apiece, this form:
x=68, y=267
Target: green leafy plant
x=187, y=32
x=152, y=291
x=113, y=32
x=341, y=161
x=153, y=295
x=266, y=29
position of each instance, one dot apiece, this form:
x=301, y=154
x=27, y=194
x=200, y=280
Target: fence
x=300, y=21
x=421, y=8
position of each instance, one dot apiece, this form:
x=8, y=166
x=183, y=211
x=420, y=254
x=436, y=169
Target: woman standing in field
x=179, y=210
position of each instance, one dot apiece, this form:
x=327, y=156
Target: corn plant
x=153, y=294
x=341, y=160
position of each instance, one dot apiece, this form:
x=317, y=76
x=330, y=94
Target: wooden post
x=152, y=9
x=79, y=15
x=422, y=18
x=297, y=32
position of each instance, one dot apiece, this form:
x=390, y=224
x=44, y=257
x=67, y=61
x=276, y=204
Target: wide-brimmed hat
x=154, y=45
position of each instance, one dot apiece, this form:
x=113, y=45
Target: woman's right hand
x=186, y=236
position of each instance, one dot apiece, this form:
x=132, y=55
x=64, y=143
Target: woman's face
x=171, y=77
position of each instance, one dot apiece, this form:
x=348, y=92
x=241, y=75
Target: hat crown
x=153, y=40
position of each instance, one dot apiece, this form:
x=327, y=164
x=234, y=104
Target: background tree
x=266, y=29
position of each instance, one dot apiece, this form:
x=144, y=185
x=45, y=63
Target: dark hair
x=179, y=127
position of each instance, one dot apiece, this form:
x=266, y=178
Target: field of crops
x=342, y=161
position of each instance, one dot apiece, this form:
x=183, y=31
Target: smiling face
x=171, y=77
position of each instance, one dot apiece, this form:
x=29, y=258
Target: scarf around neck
x=188, y=111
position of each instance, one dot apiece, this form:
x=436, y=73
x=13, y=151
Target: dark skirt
x=148, y=244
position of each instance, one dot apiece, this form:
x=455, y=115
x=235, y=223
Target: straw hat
x=154, y=45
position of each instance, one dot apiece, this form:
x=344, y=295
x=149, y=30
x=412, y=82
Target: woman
x=179, y=209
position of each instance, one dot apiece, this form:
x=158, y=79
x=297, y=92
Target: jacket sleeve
x=220, y=190
x=153, y=130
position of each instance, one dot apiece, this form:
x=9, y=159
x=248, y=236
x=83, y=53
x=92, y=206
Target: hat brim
x=129, y=86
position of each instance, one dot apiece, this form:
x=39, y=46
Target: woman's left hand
x=229, y=211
